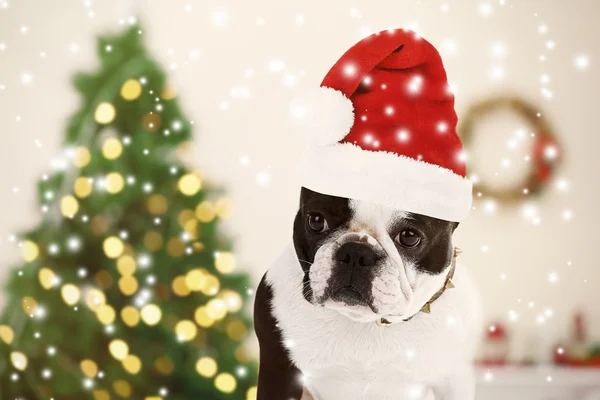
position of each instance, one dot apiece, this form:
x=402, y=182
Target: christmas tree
x=127, y=289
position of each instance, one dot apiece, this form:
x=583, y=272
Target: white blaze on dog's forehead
x=373, y=216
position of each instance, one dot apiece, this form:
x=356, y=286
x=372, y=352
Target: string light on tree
x=225, y=382
x=105, y=113
x=131, y=89
x=112, y=148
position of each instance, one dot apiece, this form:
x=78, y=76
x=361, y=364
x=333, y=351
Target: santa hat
x=382, y=128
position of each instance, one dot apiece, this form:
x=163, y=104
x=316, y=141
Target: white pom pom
x=322, y=115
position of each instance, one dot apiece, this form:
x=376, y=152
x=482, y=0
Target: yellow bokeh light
x=180, y=287
x=101, y=394
x=224, y=208
x=126, y=265
x=128, y=285
x=151, y=314
x=81, y=157
x=236, y=330
x=70, y=293
x=157, y=204
x=202, y=317
x=225, y=262
x=131, y=89
x=243, y=355
x=130, y=316
x=211, y=285
x=184, y=216
x=196, y=279
x=69, y=206
x=153, y=241
x=106, y=314
x=29, y=305
x=132, y=364
x=47, y=278
x=7, y=335
x=206, y=367
x=225, y=382
x=189, y=184
x=186, y=330
x=232, y=299
x=198, y=247
x=113, y=247
x=167, y=93
x=216, y=309
x=112, y=148
x=89, y=368
x=191, y=228
x=105, y=113
x=205, y=211
x=122, y=388
x=175, y=247
x=252, y=393
x=114, y=183
x=118, y=349
x=18, y=360
x=164, y=365
x=30, y=251
x=82, y=187
x=95, y=299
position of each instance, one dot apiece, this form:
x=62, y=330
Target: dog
x=368, y=302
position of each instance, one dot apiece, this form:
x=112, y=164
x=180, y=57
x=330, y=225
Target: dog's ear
x=455, y=226
x=305, y=195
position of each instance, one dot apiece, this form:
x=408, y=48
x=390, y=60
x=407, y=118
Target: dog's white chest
x=345, y=359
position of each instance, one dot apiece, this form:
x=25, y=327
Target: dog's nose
x=353, y=254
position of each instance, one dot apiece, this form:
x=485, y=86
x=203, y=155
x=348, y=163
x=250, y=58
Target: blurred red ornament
x=560, y=356
x=495, y=346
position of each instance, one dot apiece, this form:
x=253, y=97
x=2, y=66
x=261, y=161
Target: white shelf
x=538, y=383
x=538, y=376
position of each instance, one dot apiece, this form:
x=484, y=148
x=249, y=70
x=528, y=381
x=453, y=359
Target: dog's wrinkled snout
x=354, y=254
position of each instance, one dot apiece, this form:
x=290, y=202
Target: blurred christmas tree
x=127, y=288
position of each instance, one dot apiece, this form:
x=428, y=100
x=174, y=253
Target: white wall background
x=211, y=46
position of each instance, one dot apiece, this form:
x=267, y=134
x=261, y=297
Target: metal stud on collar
x=383, y=322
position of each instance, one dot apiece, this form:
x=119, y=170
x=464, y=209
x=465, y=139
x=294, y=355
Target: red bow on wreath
x=546, y=154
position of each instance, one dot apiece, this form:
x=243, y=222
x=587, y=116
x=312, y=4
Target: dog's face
x=368, y=261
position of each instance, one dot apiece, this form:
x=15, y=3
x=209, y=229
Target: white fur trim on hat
x=323, y=115
x=346, y=170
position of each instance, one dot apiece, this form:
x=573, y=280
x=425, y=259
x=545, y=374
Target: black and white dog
x=339, y=313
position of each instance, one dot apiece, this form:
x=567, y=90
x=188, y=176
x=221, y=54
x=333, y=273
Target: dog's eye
x=408, y=238
x=317, y=222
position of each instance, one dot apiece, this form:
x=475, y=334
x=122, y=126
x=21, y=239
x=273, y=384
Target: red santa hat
x=382, y=128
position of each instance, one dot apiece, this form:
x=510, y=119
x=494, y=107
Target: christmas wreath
x=545, y=157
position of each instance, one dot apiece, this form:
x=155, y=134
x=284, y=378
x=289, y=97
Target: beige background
x=221, y=55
